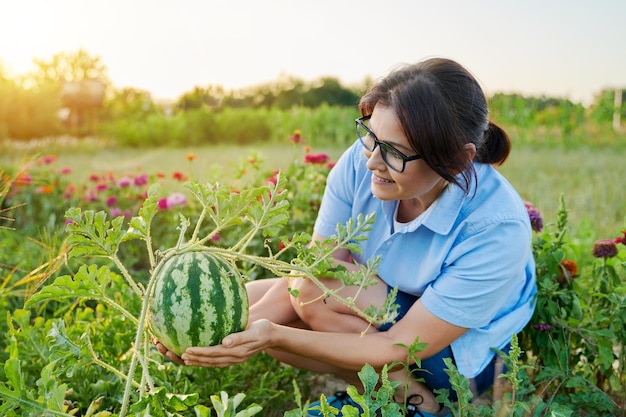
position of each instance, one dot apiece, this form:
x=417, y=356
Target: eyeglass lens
x=389, y=153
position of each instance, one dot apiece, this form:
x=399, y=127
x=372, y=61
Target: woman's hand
x=236, y=348
x=167, y=353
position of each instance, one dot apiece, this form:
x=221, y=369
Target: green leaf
x=90, y=282
x=92, y=234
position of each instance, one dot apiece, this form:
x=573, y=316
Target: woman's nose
x=375, y=160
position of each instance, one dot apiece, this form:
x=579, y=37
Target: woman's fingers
x=167, y=353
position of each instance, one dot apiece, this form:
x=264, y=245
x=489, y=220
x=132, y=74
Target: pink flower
x=216, y=237
x=111, y=201
x=124, y=182
x=69, y=191
x=47, y=159
x=141, y=180
x=115, y=212
x=66, y=170
x=101, y=187
x=173, y=200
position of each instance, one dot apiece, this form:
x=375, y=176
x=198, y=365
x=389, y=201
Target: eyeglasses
x=394, y=159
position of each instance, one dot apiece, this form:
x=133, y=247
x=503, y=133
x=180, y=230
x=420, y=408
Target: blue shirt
x=469, y=260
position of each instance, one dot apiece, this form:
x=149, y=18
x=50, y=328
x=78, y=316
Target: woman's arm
x=343, y=350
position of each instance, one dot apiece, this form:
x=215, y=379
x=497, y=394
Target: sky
x=558, y=48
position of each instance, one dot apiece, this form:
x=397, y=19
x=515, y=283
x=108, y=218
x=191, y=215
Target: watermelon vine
x=262, y=210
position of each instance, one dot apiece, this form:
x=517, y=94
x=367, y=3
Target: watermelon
x=198, y=299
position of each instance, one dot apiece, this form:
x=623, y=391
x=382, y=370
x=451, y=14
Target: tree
x=130, y=103
x=331, y=92
x=81, y=80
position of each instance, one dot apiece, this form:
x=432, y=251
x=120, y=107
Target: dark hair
x=441, y=108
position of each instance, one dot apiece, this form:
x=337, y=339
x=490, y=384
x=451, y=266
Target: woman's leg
x=269, y=299
x=325, y=313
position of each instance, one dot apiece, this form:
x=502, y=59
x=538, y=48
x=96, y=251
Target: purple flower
x=543, y=327
x=604, y=248
x=536, y=222
x=115, y=212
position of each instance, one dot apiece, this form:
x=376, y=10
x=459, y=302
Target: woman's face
x=417, y=182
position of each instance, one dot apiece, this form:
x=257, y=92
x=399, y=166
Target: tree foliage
x=30, y=106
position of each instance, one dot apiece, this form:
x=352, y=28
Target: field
x=590, y=179
x=70, y=345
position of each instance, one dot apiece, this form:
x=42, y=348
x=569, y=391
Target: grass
x=590, y=179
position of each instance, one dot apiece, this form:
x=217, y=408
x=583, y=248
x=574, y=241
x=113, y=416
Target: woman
x=453, y=236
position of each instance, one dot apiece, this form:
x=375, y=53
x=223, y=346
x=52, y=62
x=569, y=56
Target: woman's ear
x=470, y=151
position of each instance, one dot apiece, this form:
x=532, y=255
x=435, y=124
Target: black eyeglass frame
x=383, y=145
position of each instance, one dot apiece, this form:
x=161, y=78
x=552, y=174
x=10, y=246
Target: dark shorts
x=432, y=370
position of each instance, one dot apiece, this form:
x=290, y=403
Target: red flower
x=179, y=176
x=621, y=239
x=315, y=158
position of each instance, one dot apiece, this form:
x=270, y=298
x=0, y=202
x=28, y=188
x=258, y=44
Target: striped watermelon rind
x=198, y=299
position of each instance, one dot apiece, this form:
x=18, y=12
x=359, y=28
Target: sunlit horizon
x=566, y=49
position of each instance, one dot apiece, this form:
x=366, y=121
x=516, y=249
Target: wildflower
x=94, y=177
x=23, y=178
x=296, y=137
x=69, y=191
x=111, y=201
x=569, y=270
x=190, y=156
x=141, y=180
x=621, y=239
x=179, y=176
x=543, y=327
x=160, y=175
x=66, y=170
x=101, y=187
x=315, y=158
x=115, y=212
x=604, y=248
x=173, y=200
x=91, y=196
x=45, y=189
x=124, y=182
x=536, y=222
x=47, y=160
x=216, y=237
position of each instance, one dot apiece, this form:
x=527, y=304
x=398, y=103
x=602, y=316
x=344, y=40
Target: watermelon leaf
x=92, y=234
